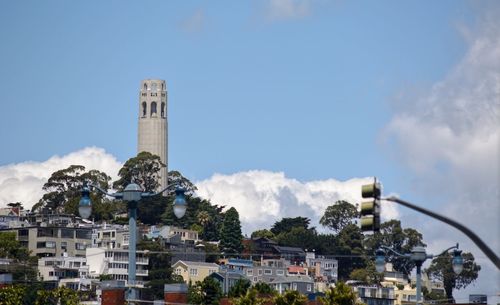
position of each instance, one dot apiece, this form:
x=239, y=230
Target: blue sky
x=291, y=102
x=307, y=95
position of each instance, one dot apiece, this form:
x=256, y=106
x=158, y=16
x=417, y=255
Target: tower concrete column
x=153, y=124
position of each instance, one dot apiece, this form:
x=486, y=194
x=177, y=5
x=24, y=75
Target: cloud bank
x=449, y=138
x=22, y=182
x=264, y=197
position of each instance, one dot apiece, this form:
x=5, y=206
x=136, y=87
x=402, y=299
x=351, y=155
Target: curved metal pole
x=115, y=195
x=473, y=236
x=445, y=251
x=145, y=195
x=396, y=252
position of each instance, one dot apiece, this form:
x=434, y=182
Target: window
x=153, y=108
x=83, y=234
x=268, y=272
x=309, y=287
x=144, y=109
x=80, y=246
x=67, y=233
x=250, y=272
x=280, y=272
x=260, y=271
x=294, y=285
x=178, y=271
x=145, y=86
x=162, y=110
x=193, y=271
x=64, y=245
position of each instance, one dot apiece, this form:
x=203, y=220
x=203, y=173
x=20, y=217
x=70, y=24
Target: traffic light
x=370, y=210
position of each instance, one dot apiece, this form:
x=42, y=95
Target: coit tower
x=153, y=125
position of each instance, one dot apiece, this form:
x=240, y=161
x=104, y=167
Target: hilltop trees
x=339, y=215
x=442, y=270
x=230, y=241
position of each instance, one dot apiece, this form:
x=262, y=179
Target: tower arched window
x=144, y=109
x=145, y=86
x=154, y=87
x=162, y=86
x=162, y=110
x=153, y=108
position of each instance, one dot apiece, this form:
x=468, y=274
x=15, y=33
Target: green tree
x=64, y=190
x=239, y=288
x=177, y=179
x=441, y=269
x=339, y=215
x=12, y=295
x=263, y=288
x=341, y=294
x=298, y=237
x=143, y=169
x=286, y=224
x=262, y=233
x=58, y=296
x=160, y=270
x=24, y=269
x=350, y=246
x=368, y=275
x=251, y=297
x=207, y=292
x=231, y=232
x=392, y=235
x=290, y=297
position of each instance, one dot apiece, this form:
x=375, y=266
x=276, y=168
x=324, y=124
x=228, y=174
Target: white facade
x=114, y=262
x=62, y=267
x=153, y=124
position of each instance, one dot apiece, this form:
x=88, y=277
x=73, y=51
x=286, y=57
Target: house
x=373, y=295
x=183, y=250
x=227, y=279
x=114, y=262
x=112, y=236
x=235, y=265
x=295, y=255
x=300, y=283
x=261, y=247
x=265, y=274
x=193, y=272
x=185, y=234
x=325, y=268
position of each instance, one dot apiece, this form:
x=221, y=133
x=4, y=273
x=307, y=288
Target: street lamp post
x=132, y=194
x=419, y=256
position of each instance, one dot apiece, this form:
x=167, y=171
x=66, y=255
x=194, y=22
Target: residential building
x=193, y=272
x=373, y=295
x=301, y=283
x=236, y=265
x=185, y=234
x=227, y=279
x=265, y=273
x=62, y=267
x=183, y=250
x=114, y=262
x=46, y=241
x=112, y=236
x=325, y=268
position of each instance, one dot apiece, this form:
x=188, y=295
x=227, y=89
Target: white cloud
x=195, y=22
x=449, y=138
x=23, y=181
x=287, y=9
x=263, y=197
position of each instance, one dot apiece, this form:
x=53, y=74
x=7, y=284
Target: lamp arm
x=445, y=251
x=144, y=195
x=115, y=195
x=473, y=236
x=394, y=251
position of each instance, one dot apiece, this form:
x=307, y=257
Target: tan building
x=194, y=271
x=153, y=125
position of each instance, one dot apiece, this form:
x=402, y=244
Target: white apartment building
x=115, y=263
x=71, y=272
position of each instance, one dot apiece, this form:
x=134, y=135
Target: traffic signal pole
x=473, y=236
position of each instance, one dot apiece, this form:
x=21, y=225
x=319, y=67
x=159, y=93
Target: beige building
x=153, y=125
x=47, y=241
x=194, y=271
